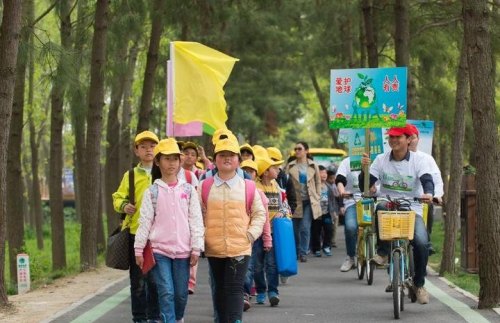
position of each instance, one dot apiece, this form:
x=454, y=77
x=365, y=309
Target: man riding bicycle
x=396, y=166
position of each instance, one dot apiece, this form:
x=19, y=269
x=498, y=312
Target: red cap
x=414, y=130
x=407, y=130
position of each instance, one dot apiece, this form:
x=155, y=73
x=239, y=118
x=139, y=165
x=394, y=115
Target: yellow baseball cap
x=264, y=163
x=227, y=145
x=146, y=135
x=223, y=134
x=274, y=153
x=167, y=147
x=190, y=144
x=250, y=164
x=259, y=152
x=246, y=147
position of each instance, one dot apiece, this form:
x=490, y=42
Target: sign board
x=23, y=273
x=357, y=145
x=368, y=97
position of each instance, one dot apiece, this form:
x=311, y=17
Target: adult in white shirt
x=436, y=177
x=400, y=173
x=347, y=183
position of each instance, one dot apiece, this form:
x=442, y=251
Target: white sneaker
x=347, y=265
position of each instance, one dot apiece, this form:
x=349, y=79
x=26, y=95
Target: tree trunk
x=15, y=203
x=56, y=144
x=125, y=146
x=451, y=221
x=151, y=63
x=402, y=49
x=111, y=167
x=370, y=32
x=346, y=32
x=9, y=45
x=477, y=27
x=101, y=240
x=36, y=199
x=362, y=41
x=91, y=180
x=324, y=107
x=78, y=105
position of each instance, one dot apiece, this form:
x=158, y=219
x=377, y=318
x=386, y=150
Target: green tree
x=477, y=20
x=9, y=45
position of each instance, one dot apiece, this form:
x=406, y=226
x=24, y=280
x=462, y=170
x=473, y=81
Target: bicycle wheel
x=370, y=252
x=360, y=266
x=411, y=265
x=396, y=277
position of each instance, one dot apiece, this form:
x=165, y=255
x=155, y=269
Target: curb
x=458, y=289
x=82, y=300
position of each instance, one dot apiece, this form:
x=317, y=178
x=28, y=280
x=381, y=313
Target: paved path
x=320, y=293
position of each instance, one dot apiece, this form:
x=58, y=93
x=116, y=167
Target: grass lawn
x=461, y=278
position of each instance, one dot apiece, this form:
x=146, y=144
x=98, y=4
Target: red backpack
x=206, y=185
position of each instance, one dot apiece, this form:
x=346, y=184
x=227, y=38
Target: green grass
x=41, y=260
x=461, y=278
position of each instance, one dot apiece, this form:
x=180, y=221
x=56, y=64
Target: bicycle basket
x=364, y=211
x=393, y=225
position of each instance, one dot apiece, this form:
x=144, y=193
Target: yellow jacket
x=229, y=230
x=142, y=180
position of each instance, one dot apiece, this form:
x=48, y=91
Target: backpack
x=153, y=190
x=189, y=179
x=206, y=185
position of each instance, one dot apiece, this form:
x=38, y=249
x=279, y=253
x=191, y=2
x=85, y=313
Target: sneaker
x=327, y=251
x=260, y=299
x=388, y=289
x=317, y=254
x=380, y=260
x=347, y=265
x=246, y=302
x=190, y=291
x=422, y=295
x=283, y=280
x=303, y=258
x=274, y=299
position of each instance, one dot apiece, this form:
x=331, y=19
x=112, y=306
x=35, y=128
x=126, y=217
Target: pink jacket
x=177, y=230
x=266, y=232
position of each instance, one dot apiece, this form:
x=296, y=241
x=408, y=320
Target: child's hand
x=194, y=260
x=139, y=260
x=129, y=208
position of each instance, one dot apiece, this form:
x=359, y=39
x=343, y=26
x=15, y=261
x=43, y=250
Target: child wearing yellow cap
x=230, y=229
x=144, y=298
x=172, y=221
x=266, y=275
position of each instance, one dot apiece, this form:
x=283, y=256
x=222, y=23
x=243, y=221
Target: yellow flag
x=199, y=74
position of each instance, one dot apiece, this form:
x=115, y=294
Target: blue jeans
x=420, y=248
x=264, y=269
x=171, y=276
x=302, y=229
x=143, y=293
x=351, y=230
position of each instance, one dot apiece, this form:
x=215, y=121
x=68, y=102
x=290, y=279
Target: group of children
x=224, y=210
